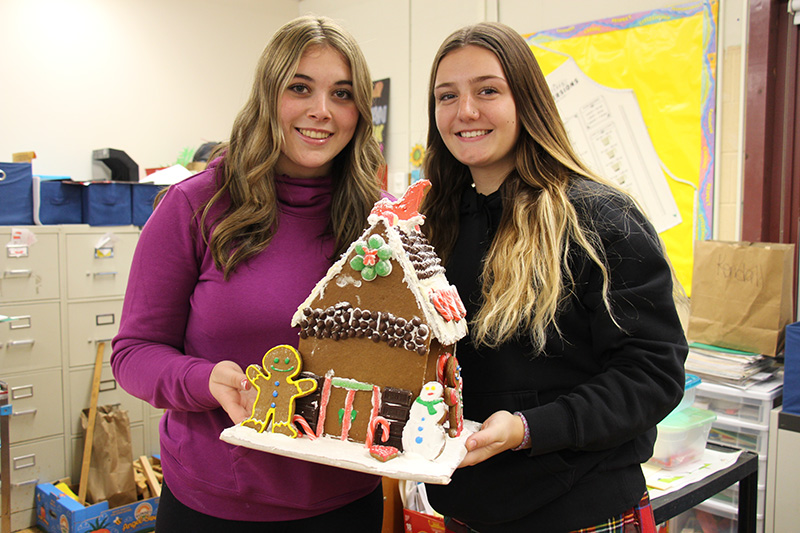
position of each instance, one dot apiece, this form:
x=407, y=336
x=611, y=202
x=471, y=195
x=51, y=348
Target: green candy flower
x=372, y=258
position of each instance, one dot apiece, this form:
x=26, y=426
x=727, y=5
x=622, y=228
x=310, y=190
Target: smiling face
x=432, y=390
x=283, y=360
x=476, y=115
x=317, y=114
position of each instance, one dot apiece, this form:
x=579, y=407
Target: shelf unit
x=743, y=421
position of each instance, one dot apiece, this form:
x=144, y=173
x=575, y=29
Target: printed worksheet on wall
x=608, y=132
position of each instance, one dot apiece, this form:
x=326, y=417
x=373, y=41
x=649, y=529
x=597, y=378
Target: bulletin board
x=667, y=57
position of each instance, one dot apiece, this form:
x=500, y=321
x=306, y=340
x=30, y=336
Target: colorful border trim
x=710, y=11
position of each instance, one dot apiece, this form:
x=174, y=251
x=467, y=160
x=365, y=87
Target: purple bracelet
x=526, y=440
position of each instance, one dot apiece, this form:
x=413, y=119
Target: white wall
x=150, y=77
x=400, y=38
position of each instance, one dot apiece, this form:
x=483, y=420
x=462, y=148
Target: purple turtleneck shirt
x=180, y=318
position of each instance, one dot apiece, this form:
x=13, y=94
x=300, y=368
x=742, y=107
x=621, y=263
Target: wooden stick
x=89, y=438
x=150, y=476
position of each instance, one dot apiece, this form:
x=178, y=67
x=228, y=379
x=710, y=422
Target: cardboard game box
x=416, y=522
x=56, y=512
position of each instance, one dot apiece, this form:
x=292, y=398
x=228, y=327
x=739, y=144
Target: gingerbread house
x=383, y=322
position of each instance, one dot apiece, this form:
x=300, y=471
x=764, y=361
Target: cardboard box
x=58, y=513
x=414, y=522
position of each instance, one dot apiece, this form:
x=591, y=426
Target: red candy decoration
x=406, y=207
x=448, y=303
x=383, y=453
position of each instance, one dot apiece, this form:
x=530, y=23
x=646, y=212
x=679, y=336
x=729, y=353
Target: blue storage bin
x=59, y=203
x=791, y=370
x=16, y=194
x=142, y=197
x=107, y=203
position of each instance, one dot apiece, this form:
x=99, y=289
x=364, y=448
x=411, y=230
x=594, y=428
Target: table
x=744, y=470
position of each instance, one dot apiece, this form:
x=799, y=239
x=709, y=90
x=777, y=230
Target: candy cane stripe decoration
x=348, y=411
x=448, y=303
x=298, y=419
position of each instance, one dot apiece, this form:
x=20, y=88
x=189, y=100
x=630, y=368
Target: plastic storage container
x=710, y=516
x=682, y=437
x=752, y=405
x=729, y=498
x=689, y=392
x=741, y=435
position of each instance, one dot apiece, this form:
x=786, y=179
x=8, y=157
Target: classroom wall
x=153, y=77
x=403, y=50
x=150, y=77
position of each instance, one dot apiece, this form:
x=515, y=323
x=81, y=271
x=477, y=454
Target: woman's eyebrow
x=476, y=79
x=309, y=78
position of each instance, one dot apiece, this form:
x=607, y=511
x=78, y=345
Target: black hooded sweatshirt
x=592, y=398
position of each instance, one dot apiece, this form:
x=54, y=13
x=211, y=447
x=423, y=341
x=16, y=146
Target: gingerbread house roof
x=423, y=274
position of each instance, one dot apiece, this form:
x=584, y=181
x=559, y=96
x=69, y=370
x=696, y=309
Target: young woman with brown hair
x=221, y=266
x=576, y=351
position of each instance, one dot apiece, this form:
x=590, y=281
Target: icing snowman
x=423, y=433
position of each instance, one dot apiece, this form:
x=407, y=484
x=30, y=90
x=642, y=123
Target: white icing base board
x=355, y=456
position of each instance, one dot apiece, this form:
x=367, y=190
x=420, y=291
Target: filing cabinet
x=62, y=288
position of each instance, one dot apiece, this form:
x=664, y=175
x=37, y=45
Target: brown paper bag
x=741, y=295
x=111, y=469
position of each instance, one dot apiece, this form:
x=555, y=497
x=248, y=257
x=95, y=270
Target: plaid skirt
x=638, y=519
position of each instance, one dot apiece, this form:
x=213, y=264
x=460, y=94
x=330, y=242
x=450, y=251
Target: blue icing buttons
x=277, y=383
x=418, y=440
x=274, y=394
x=272, y=404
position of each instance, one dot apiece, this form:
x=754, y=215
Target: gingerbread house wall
x=362, y=359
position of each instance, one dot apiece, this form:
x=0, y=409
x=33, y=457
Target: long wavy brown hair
x=247, y=170
x=539, y=222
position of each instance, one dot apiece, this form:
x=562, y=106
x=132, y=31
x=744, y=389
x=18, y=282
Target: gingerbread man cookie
x=277, y=390
x=449, y=374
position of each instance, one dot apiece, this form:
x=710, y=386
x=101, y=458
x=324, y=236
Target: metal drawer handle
x=31, y=458
x=15, y=392
x=105, y=319
x=19, y=322
x=18, y=273
x=107, y=385
x=23, y=483
x=24, y=342
x=20, y=413
x=98, y=274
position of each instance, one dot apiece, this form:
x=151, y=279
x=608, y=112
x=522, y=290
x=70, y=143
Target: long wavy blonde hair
x=247, y=170
x=539, y=222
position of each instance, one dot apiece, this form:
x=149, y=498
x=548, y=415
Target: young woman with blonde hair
x=221, y=266
x=576, y=350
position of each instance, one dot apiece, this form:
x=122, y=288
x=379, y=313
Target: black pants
x=363, y=515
